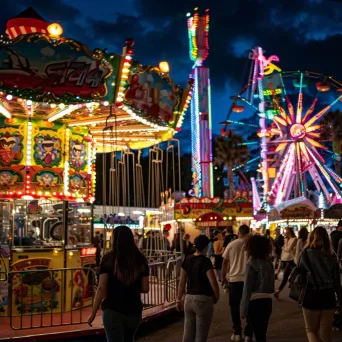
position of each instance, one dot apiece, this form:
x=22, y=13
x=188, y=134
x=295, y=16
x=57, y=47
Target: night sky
x=305, y=34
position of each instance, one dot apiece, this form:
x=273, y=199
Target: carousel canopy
x=51, y=78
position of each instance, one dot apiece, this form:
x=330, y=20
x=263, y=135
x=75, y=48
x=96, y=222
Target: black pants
x=259, y=312
x=289, y=265
x=235, y=296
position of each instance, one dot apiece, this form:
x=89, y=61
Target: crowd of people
x=245, y=265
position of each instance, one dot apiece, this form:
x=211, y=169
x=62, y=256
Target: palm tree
x=230, y=151
x=332, y=130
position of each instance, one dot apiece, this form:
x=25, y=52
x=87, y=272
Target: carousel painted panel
x=42, y=69
x=80, y=158
x=35, y=292
x=151, y=92
x=12, y=156
x=47, y=158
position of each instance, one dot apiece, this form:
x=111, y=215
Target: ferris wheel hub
x=297, y=131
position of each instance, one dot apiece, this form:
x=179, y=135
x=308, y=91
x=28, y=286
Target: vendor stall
x=207, y=214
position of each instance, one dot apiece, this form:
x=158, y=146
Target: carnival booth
x=60, y=103
x=206, y=214
x=296, y=214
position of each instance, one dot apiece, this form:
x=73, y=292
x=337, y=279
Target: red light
x=88, y=251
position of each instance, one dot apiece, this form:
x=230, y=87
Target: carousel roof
x=47, y=77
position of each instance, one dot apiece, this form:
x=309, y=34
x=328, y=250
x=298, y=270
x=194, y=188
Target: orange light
x=164, y=67
x=55, y=30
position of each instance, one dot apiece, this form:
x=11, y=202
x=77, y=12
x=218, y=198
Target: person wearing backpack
x=319, y=265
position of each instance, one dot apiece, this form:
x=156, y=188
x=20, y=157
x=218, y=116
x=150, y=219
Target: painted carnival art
x=47, y=179
x=77, y=155
x=78, y=183
x=80, y=292
x=48, y=152
x=151, y=93
x=35, y=291
x=9, y=178
x=10, y=149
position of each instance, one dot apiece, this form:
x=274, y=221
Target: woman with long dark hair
x=123, y=277
x=287, y=258
x=319, y=263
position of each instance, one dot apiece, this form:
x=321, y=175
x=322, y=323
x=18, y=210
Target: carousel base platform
x=54, y=330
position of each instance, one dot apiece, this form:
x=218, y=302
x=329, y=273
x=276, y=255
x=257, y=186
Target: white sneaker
x=236, y=338
x=248, y=339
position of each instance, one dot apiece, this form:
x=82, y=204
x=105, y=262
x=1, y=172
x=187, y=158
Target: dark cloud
x=305, y=34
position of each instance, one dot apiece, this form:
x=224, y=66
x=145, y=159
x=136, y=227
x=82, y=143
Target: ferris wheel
x=295, y=159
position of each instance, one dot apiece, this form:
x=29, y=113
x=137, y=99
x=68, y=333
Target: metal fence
x=50, y=297
x=57, y=297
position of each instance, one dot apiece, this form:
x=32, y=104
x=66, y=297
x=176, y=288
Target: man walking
x=234, y=263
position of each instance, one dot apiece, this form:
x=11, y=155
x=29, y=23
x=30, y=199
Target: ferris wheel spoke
x=280, y=120
x=326, y=175
x=318, y=181
x=314, y=143
x=287, y=171
x=289, y=187
x=312, y=128
x=337, y=178
x=299, y=169
x=280, y=172
x=322, y=112
x=310, y=110
x=300, y=101
x=304, y=150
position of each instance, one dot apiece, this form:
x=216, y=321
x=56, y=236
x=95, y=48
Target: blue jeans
x=120, y=327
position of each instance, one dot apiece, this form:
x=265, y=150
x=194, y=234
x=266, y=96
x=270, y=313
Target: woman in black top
x=123, y=277
x=202, y=293
x=319, y=264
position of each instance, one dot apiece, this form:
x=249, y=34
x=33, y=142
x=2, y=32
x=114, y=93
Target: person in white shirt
x=234, y=263
x=287, y=258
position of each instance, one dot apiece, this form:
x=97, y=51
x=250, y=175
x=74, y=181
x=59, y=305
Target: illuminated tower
x=201, y=135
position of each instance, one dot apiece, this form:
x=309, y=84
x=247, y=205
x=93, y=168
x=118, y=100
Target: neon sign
x=88, y=251
x=269, y=92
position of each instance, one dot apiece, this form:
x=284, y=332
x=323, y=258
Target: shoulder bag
x=298, y=282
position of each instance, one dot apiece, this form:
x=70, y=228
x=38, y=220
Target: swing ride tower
x=201, y=132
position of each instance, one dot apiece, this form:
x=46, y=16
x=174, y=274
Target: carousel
x=60, y=104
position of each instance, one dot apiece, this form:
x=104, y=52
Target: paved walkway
x=286, y=325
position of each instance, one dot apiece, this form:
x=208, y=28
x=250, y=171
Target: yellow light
x=71, y=253
x=164, y=67
x=55, y=30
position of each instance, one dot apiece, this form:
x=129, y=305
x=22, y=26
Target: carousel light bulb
x=61, y=105
x=106, y=103
x=53, y=105
x=9, y=97
x=55, y=30
x=29, y=102
x=164, y=67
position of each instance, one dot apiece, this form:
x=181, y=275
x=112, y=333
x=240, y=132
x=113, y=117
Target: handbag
x=298, y=282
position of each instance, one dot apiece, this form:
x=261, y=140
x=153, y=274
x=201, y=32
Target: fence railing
x=64, y=296
x=50, y=297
